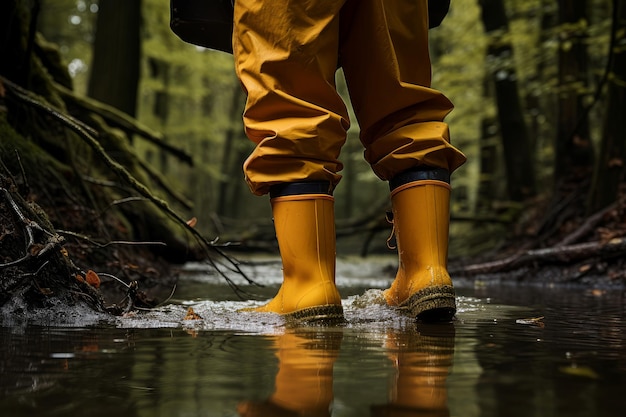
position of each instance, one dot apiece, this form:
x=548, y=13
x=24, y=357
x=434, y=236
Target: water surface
x=512, y=351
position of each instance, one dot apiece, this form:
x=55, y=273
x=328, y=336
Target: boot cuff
x=299, y=188
x=419, y=174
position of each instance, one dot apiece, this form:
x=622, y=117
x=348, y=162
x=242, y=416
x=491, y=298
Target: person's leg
x=402, y=129
x=385, y=57
x=286, y=59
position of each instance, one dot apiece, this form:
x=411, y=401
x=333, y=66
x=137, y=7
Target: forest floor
x=557, y=243
x=43, y=262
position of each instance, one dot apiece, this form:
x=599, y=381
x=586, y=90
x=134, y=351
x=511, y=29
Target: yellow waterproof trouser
x=286, y=56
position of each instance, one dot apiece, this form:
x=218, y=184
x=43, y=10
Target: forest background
x=539, y=89
x=529, y=70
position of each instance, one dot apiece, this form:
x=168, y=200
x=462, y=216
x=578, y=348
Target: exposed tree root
x=222, y=263
x=565, y=255
x=593, y=247
x=39, y=268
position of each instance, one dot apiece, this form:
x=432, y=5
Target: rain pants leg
x=286, y=55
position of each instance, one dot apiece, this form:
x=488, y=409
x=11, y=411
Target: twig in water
x=104, y=274
x=169, y=297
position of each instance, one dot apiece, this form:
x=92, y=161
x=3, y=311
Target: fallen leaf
x=192, y=222
x=192, y=315
x=582, y=371
x=35, y=249
x=92, y=279
x=534, y=321
x=90, y=348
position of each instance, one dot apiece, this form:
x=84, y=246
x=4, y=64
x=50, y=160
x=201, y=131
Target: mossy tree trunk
x=115, y=68
x=93, y=212
x=232, y=159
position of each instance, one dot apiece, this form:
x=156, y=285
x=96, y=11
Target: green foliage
x=188, y=94
x=458, y=49
x=71, y=24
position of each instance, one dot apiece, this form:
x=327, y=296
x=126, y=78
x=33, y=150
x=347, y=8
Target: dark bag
x=209, y=23
x=437, y=10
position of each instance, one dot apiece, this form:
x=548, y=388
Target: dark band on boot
x=299, y=188
x=419, y=174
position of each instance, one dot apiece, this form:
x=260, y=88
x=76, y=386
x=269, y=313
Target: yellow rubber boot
x=305, y=229
x=421, y=216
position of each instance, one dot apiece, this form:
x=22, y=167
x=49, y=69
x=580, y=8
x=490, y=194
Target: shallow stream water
x=511, y=351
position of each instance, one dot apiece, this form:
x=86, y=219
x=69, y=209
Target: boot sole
x=432, y=304
x=323, y=315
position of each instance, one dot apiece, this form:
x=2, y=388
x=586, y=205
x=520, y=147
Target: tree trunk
x=115, y=67
x=573, y=148
x=489, y=156
x=231, y=159
x=545, y=115
x=14, y=50
x=610, y=170
x=515, y=141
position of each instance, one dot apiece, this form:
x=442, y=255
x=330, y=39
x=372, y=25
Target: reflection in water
x=304, y=381
x=422, y=359
x=64, y=372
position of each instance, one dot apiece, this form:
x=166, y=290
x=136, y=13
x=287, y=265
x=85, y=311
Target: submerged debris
x=534, y=321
